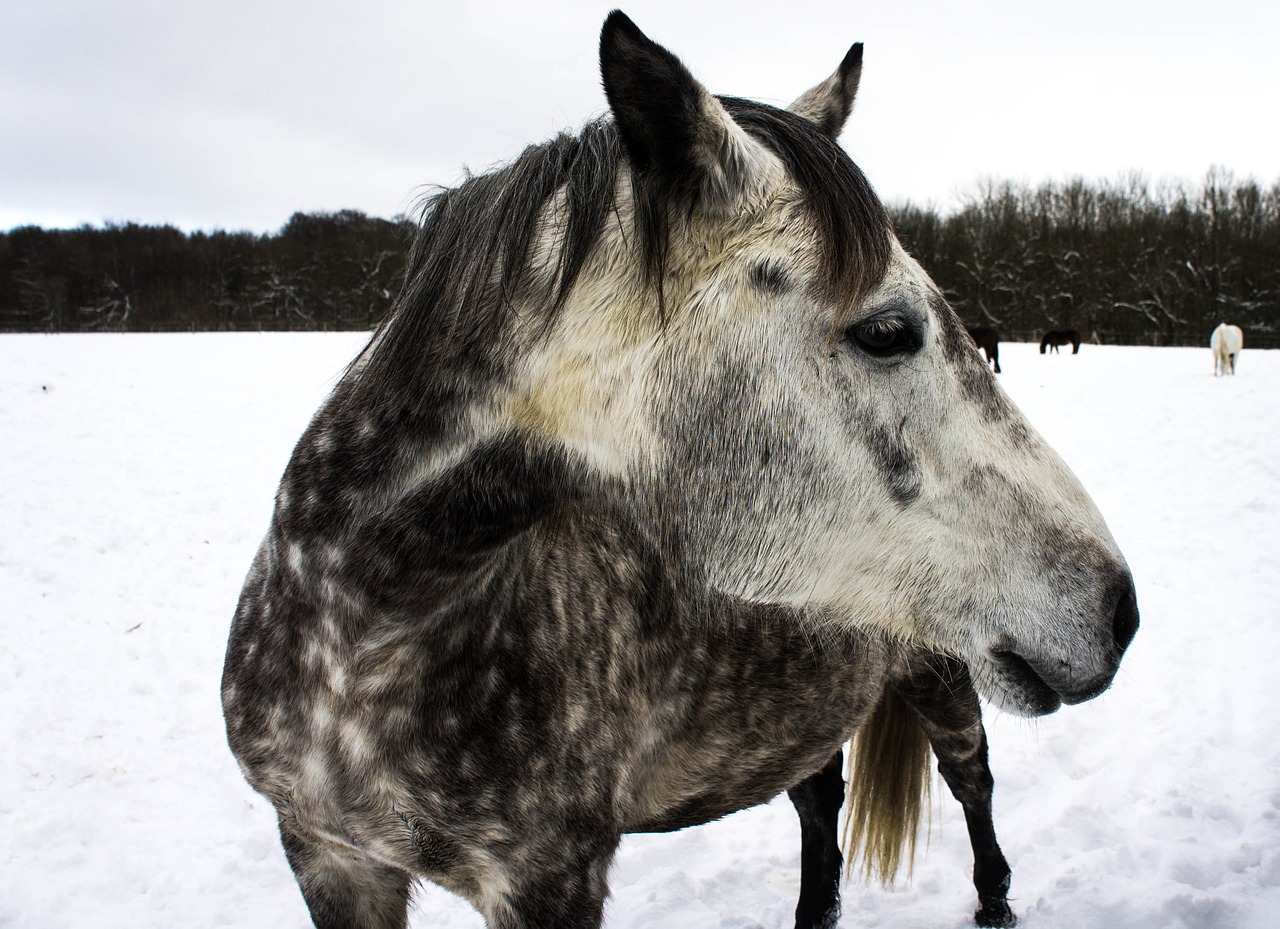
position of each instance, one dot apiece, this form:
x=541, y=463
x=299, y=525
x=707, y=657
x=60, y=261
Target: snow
x=136, y=478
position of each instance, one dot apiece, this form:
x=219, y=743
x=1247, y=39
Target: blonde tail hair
x=889, y=778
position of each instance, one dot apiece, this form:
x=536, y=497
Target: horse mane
x=852, y=222
x=470, y=262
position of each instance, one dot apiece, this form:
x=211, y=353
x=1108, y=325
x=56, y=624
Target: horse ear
x=672, y=129
x=829, y=104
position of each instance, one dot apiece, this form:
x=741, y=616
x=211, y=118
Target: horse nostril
x=1125, y=623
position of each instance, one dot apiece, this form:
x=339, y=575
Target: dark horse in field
x=1056, y=337
x=668, y=472
x=988, y=340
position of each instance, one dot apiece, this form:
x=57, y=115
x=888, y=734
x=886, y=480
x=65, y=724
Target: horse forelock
x=514, y=242
x=850, y=221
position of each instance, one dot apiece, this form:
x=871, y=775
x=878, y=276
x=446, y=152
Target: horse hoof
x=995, y=914
x=827, y=920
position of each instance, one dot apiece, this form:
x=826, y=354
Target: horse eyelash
x=909, y=338
x=770, y=278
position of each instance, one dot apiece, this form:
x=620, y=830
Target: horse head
x=709, y=315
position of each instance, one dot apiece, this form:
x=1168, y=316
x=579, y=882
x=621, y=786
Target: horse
x=987, y=339
x=929, y=703
x=1056, y=337
x=668, y=471
x=1226, y=342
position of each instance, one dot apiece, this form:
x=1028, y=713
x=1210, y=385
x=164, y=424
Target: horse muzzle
x=1035, y=679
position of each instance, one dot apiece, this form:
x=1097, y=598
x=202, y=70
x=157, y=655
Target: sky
x=233, y=114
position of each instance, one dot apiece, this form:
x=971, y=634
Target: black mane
x=470, y=259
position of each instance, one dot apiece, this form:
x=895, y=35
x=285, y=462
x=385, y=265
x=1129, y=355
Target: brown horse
x=1055, y=337
x=988, y=340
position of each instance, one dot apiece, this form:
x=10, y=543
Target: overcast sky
x=234, y=114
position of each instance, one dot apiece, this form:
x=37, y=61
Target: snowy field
x=136, y=479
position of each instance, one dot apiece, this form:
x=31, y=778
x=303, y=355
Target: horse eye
x=885, y=336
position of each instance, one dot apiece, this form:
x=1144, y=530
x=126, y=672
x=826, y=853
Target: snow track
x=136, y=479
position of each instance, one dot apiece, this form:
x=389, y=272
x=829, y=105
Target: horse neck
x=428, y=510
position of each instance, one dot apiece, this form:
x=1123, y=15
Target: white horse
x=1226, y=342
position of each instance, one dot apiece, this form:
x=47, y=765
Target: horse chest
x=531, y=703
x=760, y=724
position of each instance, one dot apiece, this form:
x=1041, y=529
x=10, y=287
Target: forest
x=1122, y=262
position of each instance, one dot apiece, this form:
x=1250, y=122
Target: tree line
x=1122, y=262
x=320, y=271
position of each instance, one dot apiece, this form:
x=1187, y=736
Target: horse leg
x=995, y=356
x=343, y=887
x=817, y=800
x=941, y=693
x=558, y=885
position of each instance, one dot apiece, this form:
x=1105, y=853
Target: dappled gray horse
x=667, y=468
